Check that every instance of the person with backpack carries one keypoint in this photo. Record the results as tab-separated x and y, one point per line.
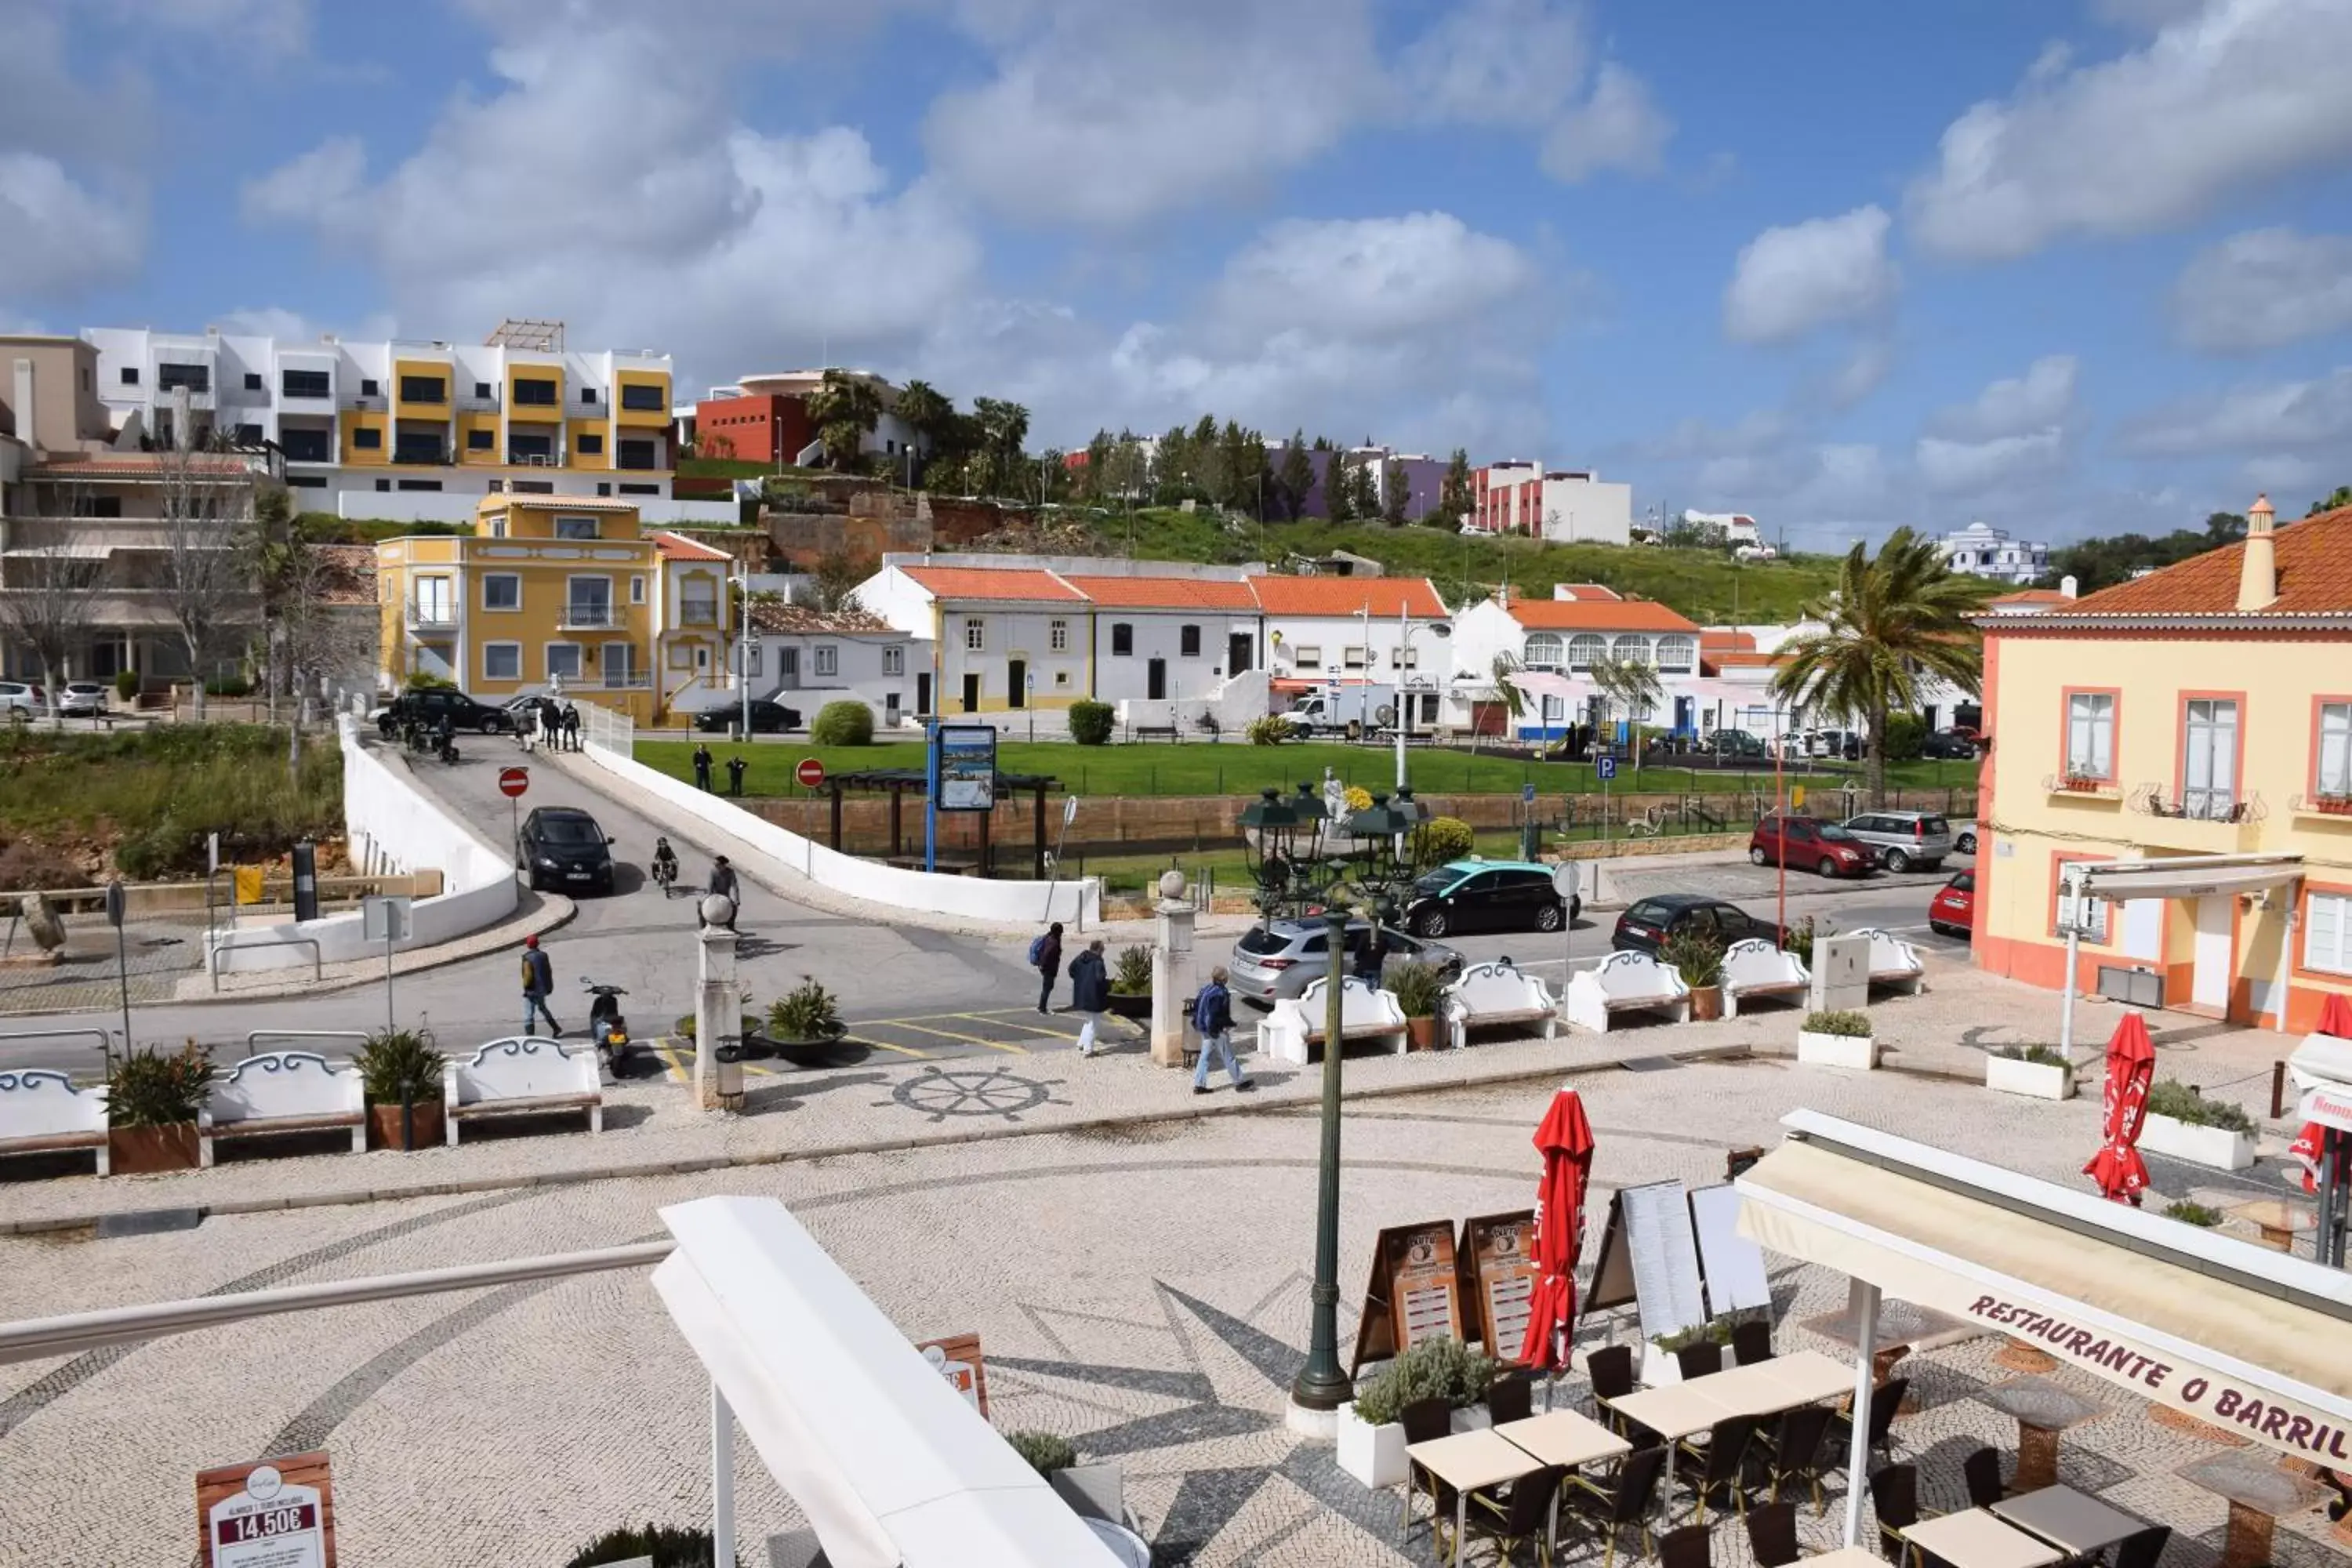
1213	1015
1090	993
1045	958
537	985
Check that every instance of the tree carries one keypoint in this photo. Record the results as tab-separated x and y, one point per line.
833	586
1339	490
924	410
211	563
1454	497
1396	493
1296	477
1502	694
1888	622
47	592
320	625
1363	492
1631	684
844	410
2342	497
1001	430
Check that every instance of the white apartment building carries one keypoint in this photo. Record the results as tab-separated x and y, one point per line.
1324	631
1981	550
1556	643
1567	506
1730	527
804	659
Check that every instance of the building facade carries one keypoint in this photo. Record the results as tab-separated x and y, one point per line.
765	419
1003	639
1981	550
1559	641
804	659
1324	631
2204	710
1568	506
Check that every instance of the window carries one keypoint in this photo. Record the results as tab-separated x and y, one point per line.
129	375
1122	637
1188	642
368	388
629	490
788	665
2327	933
304	446
1356	656
1061	678
1631	649
528	448
424	389
482	391
1404	659
890	708
640	398
2209	781
248	434
588	397
534	487
1543	651
1586	650
307	481
1678	654
195	377
367	438
482	441
759	658
1306	656
563	659
252	381
2094	912
604	488
635	454
306	383
420	484
96	506
384	484
1058	635
2335	773
828	658
575	528
636	587
501	590
433	601
535	393
418	446
619	663
975	635
2091	735
591	446
894	662
503	661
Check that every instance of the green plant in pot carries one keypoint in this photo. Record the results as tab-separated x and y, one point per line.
2182	1102
665	1545
1417	988
1851	1024
151	1103
401	1071
806	1014
1045	1451
1130	983
1432	1369
1698	956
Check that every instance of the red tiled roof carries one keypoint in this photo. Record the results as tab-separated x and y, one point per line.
1603	615
999	582
1165	592
531	501
1713	641
2315	578
677	547
140	466
349	575
1590	590
2030	596
1346	596
1749	660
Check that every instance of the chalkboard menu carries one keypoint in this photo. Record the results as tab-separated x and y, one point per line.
1499	1277
1415	1293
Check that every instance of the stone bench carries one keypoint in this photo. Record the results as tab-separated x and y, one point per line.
1893	961
283	1091
1294	1028
525	1075
41	1112
1624	983
1495	993
1755	969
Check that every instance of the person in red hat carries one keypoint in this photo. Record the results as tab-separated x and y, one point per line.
537	985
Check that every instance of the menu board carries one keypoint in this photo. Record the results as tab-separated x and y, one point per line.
1665	1256
1498	1272
1734	1265
270	1513
1612	1269
966	761
1415	1292
957	1359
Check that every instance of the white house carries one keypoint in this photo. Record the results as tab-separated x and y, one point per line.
1730	527
1568	506
1556	642
804	659
1981	550
1382	630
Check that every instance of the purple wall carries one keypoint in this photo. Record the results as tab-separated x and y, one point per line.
1424	479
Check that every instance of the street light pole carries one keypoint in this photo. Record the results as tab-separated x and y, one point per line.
1321	1385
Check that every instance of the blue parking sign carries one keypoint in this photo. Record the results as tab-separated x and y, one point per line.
1606	768
1528	793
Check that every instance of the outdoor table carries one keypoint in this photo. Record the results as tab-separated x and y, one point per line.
1806	1377
1975	1539
1469	1462
2278	1220
1845	1557
2066	1518
2042	1410
1902	1328
2257	1492
1674	1412
1565	1438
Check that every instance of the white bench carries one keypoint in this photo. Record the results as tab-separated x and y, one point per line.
1495	992
282	1091
1296	1026
1755	968
525	1075
41	1112
1893	961
1625	982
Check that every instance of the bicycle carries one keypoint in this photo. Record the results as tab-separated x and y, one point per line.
665	875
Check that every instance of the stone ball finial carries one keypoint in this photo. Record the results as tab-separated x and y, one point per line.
1172	883
717	908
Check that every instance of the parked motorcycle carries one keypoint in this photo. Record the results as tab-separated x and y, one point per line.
606	1028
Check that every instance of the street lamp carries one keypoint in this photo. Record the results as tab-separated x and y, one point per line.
1404	715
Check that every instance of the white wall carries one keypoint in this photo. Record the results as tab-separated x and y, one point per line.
1234	701
1158	634
859	673
1588	511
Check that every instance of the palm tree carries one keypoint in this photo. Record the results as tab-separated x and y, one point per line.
844	410
1888	622
1631	683
927	412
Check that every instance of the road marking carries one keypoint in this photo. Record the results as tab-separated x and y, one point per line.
669	1052
1016	1022
968	1039
886	1045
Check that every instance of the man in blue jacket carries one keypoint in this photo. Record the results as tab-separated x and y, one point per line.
1090	993
537	985
1213	1015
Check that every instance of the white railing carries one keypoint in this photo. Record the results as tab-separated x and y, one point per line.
607	730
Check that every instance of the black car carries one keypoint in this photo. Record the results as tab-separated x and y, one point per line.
767	718
1735	743
1484	895
1645	927
429	706
561	846
1948	745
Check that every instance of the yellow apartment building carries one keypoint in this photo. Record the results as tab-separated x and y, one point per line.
2201	715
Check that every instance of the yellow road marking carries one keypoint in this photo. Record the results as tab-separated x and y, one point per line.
968	1039
886	1045
1016	1023
669	1053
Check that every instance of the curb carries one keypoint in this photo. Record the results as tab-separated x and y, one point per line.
563	916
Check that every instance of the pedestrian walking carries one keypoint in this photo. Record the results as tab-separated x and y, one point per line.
735	766
1089	993
537	985
723	883
571	728
1213	1016
702	765
1046	957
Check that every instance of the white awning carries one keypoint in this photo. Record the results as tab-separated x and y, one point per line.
2184	876
2321	1060
2236	1334
892	1466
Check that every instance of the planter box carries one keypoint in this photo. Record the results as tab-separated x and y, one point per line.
144	1151
1706	1003
1856	1051
2039	1080
1135	1009
1372	1455
2215	1147
1420	1033
384	1125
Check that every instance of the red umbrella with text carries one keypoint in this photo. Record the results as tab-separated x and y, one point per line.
2131	1062
1565	1141
2335	1019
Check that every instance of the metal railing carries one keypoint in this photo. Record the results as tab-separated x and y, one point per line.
217	947
2197	805
423	617
588	617
105	1038
257	1035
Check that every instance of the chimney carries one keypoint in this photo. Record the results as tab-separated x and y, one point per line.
2068	586
2258	573
27	431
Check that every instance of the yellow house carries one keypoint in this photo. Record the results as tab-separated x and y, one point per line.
2183	741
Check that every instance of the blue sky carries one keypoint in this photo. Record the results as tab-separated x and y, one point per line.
2067	265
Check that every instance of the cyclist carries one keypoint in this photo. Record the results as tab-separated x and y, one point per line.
665	864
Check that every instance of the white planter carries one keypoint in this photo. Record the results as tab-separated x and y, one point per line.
1373	1455
2216	1147
1659	1367
1856	1051
2041	1081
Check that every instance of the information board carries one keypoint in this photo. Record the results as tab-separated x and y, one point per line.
269	1513
1734	1265
967	767
1498	1274
1664	1257
957	1359
1415	1293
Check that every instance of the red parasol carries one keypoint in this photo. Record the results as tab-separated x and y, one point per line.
1565	1139
2131	1062
2335	1019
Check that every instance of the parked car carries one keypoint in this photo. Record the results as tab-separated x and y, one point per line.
767	718
1834	743
1735	743
1644	927
1823	847
20	701
1953	910
1904	839
1484	894
561	846
430	704
83	699
1948	745
1965	840
1278	959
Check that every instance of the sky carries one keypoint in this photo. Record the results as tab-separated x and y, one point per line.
2068	266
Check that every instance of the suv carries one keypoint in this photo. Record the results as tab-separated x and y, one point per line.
1904	839
1484	894
1735	743
1277	958
1645	927
431	702
1823	847
20	701
562	846
1948	745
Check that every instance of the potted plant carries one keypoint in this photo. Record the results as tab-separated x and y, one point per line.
400	1072
1838	1041
807	1015
1130	983
683	1027
2082	783
1372	1430
1698	956
2332	804
1660	1365
152	1101
1417	988
2186	1125
2036	1070
1045	1452
659	1545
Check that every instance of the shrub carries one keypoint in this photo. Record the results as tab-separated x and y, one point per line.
1801	936
1131	973
1715	1331
399	1066
843	723
1697	954
234	686
684	1028
1904	734
2195	1214
422	680
126	684
145	1087
1045	1452
2041	1055
2180	1101
1090	722
1416	987
1270	731
668	1548
807	1012
1855	1025
1442	838
1435	1369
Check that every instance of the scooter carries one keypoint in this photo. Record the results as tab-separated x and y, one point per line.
446	747
606	1028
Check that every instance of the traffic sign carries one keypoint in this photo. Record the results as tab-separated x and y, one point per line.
1564	880
811	772
512	782
1528	794
1606	767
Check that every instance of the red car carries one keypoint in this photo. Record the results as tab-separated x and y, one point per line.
1823	847
1953	911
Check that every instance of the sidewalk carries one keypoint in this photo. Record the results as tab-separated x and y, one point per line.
535	915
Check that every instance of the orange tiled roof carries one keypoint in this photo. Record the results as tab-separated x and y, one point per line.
1346	596
1743	660
677	547
350	572
138	466
1165	592
1601	615
1590	591
1713	641
531	501
1000	583
2030	596
2315	578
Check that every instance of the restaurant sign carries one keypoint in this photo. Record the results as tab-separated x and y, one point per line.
2330	1105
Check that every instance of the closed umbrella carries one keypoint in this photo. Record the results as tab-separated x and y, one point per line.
1565	1139
2335	1019
2131	1062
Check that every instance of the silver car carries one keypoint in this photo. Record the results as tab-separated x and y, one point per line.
1904	840
1272	962
83	700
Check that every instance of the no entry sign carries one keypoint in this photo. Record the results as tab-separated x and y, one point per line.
512	782
811	772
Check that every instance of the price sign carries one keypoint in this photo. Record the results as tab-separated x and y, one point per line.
957	1360
274	1513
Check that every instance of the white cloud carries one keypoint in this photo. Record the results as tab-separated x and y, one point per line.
1497	62
2042	397
1964	467
1377	277
56	235
2264	288
1860	373
73	207
271	29
2286	416
1617	127
1792	279
2216	104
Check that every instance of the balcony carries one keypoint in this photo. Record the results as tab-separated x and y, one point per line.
625	680
423	457
2323	807
431	617
2201	822
587	618
699	613
2081	786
